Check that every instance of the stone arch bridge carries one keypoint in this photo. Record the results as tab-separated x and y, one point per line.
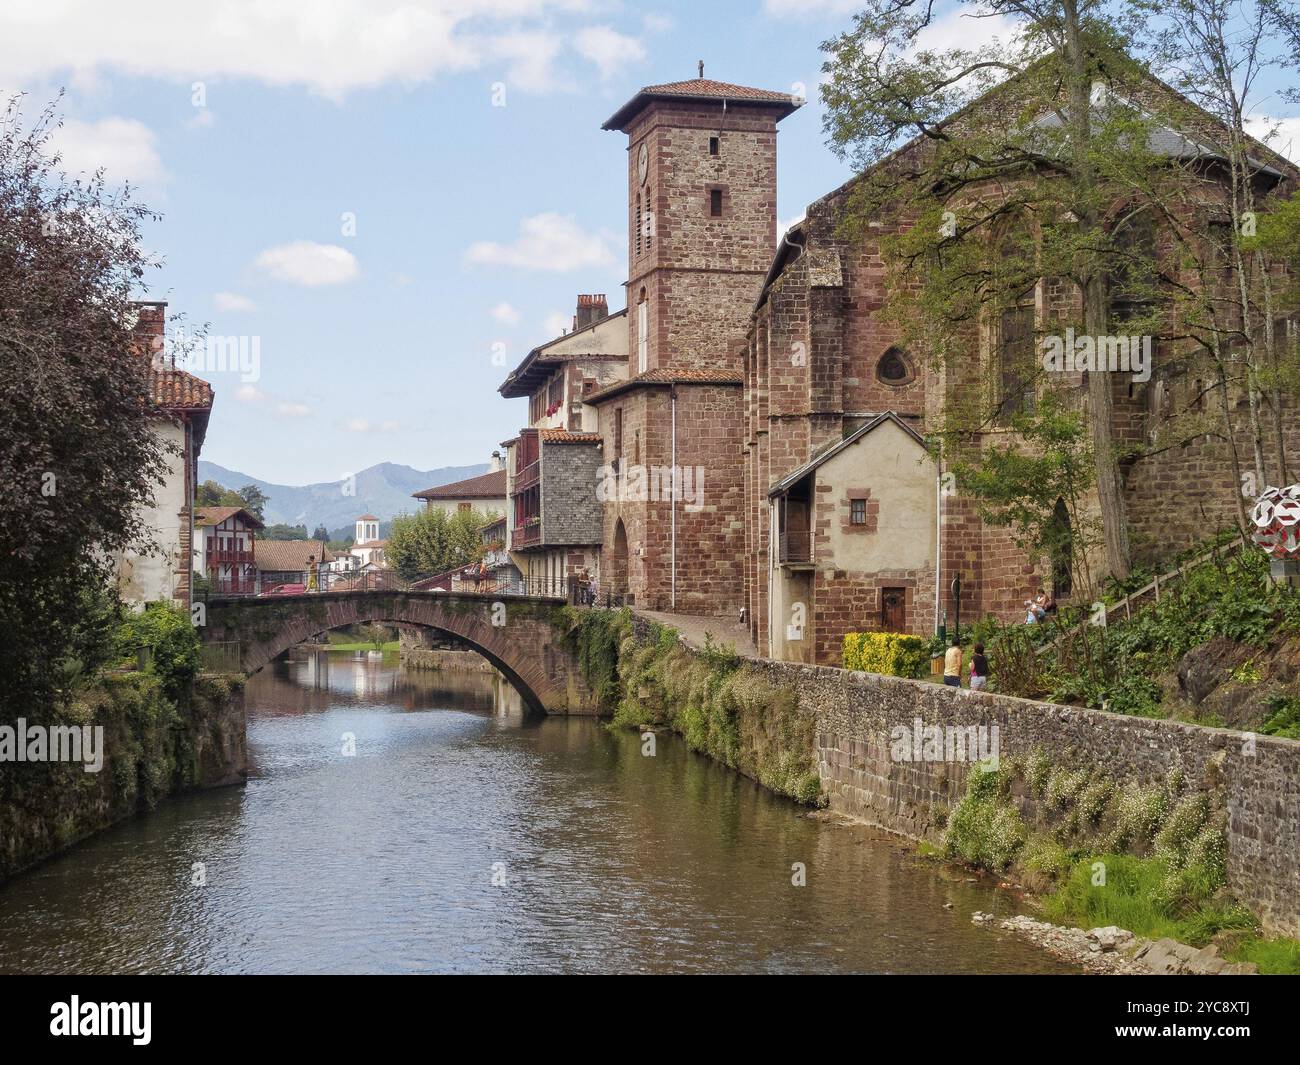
522	636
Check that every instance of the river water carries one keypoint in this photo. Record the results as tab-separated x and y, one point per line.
462	836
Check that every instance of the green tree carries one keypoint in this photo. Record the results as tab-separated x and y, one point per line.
321	533
79	457
431	542
211	494
254	500
1007	178
1023	484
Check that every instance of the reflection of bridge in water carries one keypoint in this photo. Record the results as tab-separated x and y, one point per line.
316	680
524	637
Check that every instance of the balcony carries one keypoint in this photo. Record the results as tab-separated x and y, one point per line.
795	547
228	556
527	535
527	476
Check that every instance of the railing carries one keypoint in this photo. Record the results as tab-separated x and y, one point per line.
1153	589
526	535
218	556
795	545
220	656
528	476
233	585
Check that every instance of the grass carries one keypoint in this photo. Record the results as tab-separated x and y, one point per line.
388	648
1150	899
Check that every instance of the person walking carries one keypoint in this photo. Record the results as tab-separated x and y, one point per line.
979	669
952	665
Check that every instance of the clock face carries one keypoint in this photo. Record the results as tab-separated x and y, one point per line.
643	163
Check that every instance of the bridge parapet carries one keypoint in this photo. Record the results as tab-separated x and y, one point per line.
522	636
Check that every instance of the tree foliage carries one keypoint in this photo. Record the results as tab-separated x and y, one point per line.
78	457
432	542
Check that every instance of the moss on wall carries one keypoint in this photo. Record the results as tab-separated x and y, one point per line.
647	678
152	746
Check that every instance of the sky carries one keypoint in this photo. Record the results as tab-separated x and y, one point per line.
389	202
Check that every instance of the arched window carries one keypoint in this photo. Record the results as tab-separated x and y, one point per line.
1132	276
1060	547
894	367
1015	288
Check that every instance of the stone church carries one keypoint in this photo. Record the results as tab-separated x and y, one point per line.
764	450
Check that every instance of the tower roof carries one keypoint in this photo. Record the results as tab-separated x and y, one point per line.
702	89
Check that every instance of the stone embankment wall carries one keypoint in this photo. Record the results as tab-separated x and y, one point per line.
430	649
152	748
856	715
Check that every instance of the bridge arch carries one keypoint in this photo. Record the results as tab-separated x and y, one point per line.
521	636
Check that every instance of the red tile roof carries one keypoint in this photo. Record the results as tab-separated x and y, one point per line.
667	376
484	486
563	436
701	89
177	390
367	517
288	556
216	515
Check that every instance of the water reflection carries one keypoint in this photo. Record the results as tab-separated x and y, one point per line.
464	837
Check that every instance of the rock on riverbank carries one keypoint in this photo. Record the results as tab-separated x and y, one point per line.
1112	951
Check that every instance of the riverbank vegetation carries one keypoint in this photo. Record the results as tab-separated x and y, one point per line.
1217	649
1151	860
718	704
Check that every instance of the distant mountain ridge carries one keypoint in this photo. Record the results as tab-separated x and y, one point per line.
383	490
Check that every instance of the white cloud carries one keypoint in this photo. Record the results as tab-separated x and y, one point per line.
330	48
808	8
657	23
249	394
783	227
610	50
401	280
365	425
203	118
304	262
548	241
503	312
958	30
125	148
233	301
293	410
556	323
1285	141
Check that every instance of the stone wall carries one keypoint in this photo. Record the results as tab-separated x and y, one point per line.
571	510
855	713
152	748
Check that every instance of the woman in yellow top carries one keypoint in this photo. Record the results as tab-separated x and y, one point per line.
311	573
952	665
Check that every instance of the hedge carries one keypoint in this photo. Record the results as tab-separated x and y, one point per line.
892	653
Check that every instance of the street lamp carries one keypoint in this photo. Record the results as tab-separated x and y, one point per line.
956	602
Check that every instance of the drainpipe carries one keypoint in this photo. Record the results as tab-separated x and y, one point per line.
938	539
191	465
771	578
672	503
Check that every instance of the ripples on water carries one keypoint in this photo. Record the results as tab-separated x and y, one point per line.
385	861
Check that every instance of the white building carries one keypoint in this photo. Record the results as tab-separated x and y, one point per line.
160	571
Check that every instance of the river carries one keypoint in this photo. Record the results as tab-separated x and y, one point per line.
462	836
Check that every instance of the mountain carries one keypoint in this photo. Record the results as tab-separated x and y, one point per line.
383	490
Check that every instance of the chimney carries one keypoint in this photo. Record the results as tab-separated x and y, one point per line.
591	309
149	331
495	465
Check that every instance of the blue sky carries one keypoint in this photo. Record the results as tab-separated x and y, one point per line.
475	225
